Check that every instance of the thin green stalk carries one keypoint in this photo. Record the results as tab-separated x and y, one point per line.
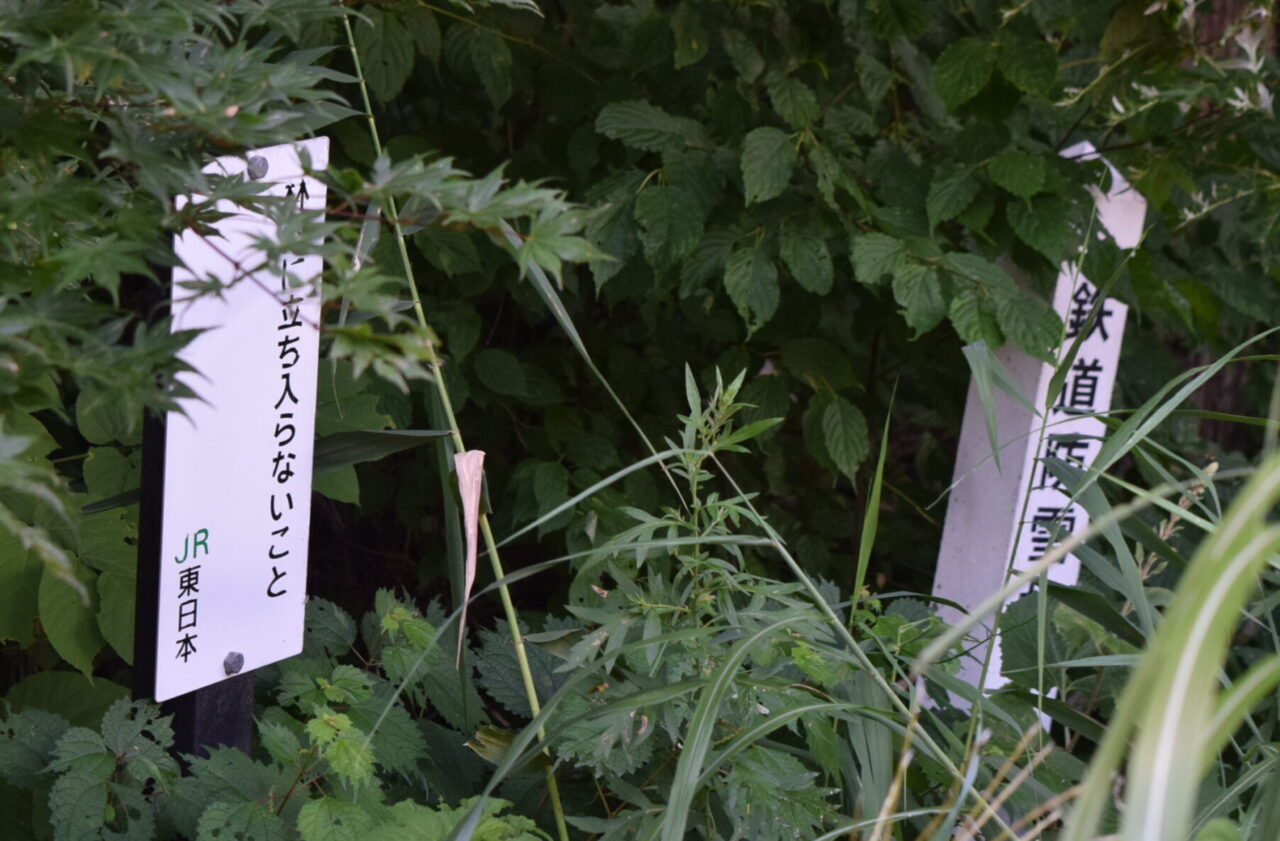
455	432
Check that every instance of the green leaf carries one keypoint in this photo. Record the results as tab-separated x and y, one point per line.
483	51
949	194
691	36
844	432
1031	323
671	224
647	127
768	156
341	484
279	741
808	259
115	612
791	98
68	621
351	757
331	819
103	418
751	279
452	252
1045	225
974	321
819	363
343	403
329	630
707	260
108	471
873	76
20	572
1021	173
1030	64
918	289
78	807
501	371
69	694
385	45
978	270
424	30
251	821
744	55
962	70
27	740
345	448
875	255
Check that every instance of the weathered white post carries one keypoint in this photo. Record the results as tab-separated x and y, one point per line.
1001	519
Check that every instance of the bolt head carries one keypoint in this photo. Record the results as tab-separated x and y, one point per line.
258	167
233	663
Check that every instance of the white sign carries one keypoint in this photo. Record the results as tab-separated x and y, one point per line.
237	474
983	537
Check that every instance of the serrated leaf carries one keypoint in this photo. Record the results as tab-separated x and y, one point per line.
1030	64
981	271
918	289
962	70
452	252
27	741
691	36
647	127
844	432
808	259
1032	324
68	621
386	52
771	796
397	741
424	30
279	741
501	371
331	819
707	260
751	279
873	77
949	194
744	55
973	321
1021	173
671	224
791	98
768	156
483	51
250	821
875	255
77	807
1045	225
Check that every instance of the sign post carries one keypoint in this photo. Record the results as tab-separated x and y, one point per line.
986	537
227	480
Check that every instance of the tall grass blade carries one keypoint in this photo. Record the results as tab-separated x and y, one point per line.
1171	695
871	517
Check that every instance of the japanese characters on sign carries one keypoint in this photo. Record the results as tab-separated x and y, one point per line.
238	457
1072	432
1003	517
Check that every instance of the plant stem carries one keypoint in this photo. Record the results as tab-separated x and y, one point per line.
455	433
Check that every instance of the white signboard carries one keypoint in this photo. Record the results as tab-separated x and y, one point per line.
983	536
237	474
